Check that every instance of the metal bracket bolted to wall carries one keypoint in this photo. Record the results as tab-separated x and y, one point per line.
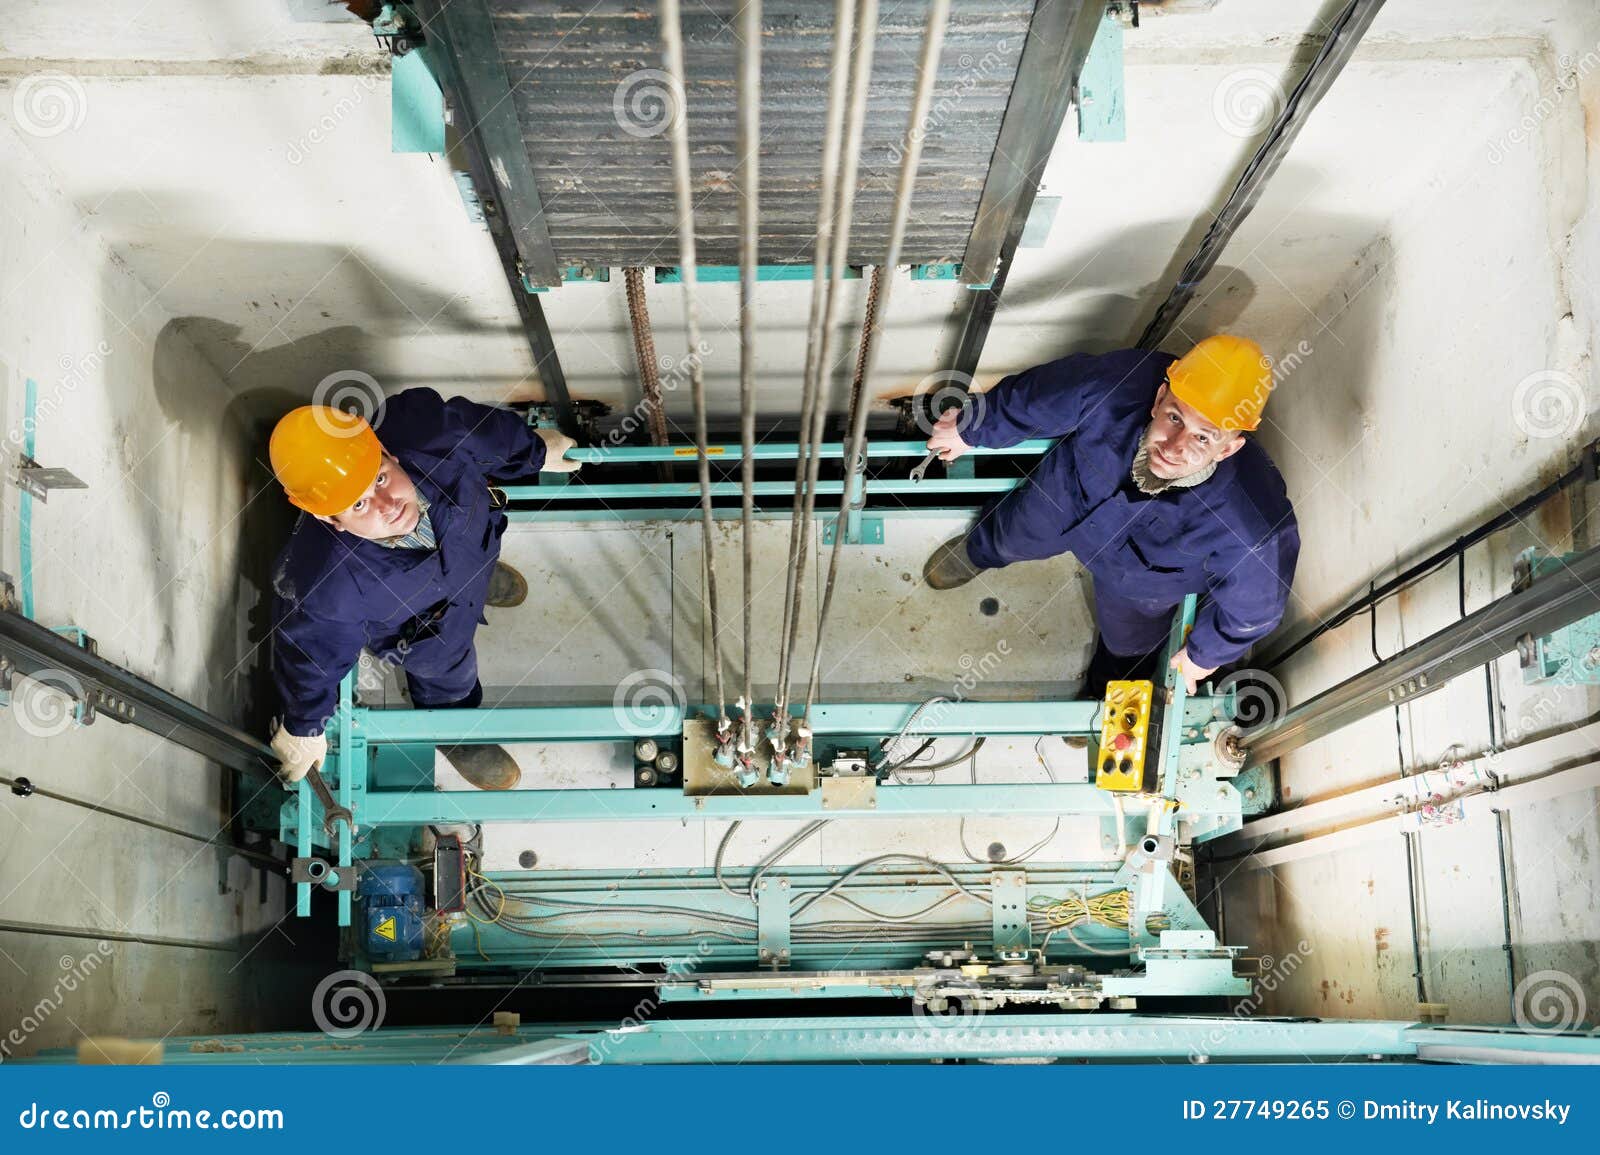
35	479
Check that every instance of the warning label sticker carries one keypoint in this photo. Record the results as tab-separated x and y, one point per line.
385	929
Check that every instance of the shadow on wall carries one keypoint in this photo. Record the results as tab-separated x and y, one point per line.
189	403
1317	430
266	375
262	385
366	314
1074	305
1311	238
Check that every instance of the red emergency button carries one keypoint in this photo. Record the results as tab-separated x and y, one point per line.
1122	741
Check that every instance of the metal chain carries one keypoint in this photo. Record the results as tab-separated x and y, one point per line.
869	333
644	352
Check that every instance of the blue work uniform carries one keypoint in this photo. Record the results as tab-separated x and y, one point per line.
335	592
1232	537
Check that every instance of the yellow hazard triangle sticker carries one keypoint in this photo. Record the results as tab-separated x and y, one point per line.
385	929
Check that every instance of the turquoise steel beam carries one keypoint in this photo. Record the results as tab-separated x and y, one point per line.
305	805
714	274
1101	110
1043	799
788	451
592	723
659	489
1175	699
837	1039
570	275
822	989
1468	1044
539	1053
1114	1037
30	425
887	1038
566	515
416	105
352	785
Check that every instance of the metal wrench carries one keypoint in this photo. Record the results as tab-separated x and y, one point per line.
332	812
921	470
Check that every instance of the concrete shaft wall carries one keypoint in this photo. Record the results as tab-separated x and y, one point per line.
154	560
1445	376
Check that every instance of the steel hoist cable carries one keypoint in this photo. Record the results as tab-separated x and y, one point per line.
860	82
748	33
672	60
833	137
855	451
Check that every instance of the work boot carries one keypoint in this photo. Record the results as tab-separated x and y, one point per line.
949	567
507	587
488	767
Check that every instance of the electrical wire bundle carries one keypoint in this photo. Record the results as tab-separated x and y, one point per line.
516	912
1113	908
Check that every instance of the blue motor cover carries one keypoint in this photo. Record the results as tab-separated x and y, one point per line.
392	912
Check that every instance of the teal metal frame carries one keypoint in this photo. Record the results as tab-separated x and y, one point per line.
1568	656
416	105
381	764
30	422
729	274
1113	1037
861	525
788	451
1102	114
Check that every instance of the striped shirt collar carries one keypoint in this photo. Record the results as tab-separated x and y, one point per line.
421	537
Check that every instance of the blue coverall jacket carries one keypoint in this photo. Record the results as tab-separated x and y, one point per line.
1232	537
335	593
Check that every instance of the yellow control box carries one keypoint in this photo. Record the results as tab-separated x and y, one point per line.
1124	736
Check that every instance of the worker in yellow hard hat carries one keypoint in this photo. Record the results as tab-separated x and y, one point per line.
1154	486
397	551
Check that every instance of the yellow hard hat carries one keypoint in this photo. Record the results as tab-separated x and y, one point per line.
324	458
1226	379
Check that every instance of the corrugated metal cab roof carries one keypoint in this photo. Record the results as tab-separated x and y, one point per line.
583	80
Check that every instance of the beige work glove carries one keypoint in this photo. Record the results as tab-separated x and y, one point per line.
556	444
297	755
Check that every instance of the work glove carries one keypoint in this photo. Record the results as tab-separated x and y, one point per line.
297	754
556	444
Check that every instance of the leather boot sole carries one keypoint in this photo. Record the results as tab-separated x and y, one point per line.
488	767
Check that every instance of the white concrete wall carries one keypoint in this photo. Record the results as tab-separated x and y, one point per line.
149	559
1448	374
